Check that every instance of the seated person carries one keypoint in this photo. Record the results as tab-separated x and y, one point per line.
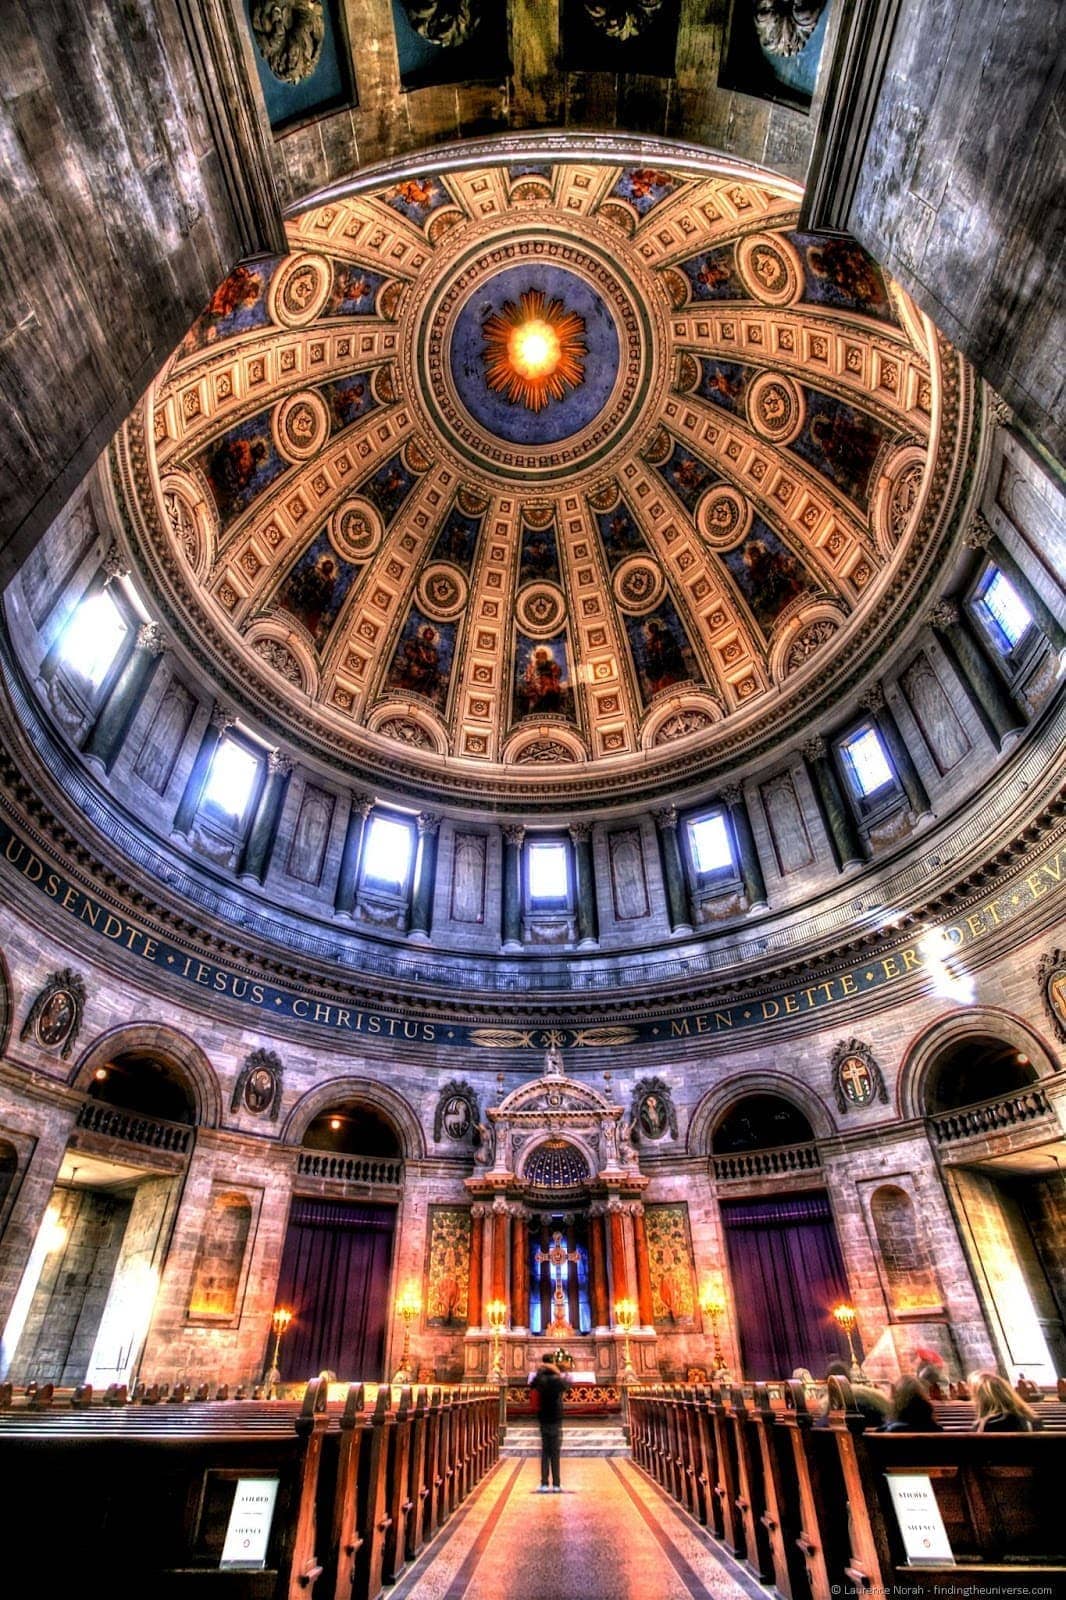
870	1402
912	1409
997	1409
1027	1390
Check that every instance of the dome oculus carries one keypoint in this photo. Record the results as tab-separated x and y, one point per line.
534	351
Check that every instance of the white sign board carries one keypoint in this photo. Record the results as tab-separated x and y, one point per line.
249	1523
921	1526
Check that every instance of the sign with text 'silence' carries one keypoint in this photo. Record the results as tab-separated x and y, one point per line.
938	955
921	1526
248	1530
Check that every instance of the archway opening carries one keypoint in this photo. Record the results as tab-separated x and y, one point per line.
760	1122
352	1127
134	1080
976	1069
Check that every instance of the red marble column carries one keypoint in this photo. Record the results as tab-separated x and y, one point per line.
500	1220
619	1270
640	1250
519	1271
477	1255
601	1317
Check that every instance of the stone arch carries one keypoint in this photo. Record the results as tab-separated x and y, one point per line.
6	1008
376	1095
710	1110
922	1053
173	1046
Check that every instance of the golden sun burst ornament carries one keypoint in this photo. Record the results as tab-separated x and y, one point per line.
534	351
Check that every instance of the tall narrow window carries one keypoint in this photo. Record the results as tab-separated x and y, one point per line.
388	853
867	765
232	779
93	637
1002	609
549	880
712	848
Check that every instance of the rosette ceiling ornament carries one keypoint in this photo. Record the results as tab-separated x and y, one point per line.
547	478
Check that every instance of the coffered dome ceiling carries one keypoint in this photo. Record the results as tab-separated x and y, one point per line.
545	478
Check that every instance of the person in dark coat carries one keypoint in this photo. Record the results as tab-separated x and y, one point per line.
912	1409
549	1389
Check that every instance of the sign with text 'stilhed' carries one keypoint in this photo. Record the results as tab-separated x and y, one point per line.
921	1526
248	1530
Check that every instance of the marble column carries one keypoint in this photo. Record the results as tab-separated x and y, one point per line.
513	837
588	927
598	1295
219	723
122	704
428	824
750	865
900	757
348	878
673	871
500	1239
980	536
1000	715
519	1268
255	857
478	1213
643	1264
619	1267
836	813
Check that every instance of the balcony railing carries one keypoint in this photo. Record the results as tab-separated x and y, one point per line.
777	1163
133	1128
991	1116
350	1169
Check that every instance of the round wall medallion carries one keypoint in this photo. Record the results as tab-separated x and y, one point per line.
723	517
770	268
442	591
638	585
775	407
301	426
540	609
300	290
355	530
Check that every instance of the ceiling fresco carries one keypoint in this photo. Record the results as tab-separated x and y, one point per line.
532	472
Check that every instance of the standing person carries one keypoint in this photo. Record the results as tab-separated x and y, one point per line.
550	1386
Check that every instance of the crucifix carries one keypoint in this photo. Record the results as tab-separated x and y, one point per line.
558	1257
855	1076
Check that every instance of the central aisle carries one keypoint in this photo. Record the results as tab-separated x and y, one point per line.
611	1535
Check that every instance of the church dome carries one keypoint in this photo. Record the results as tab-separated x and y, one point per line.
548	481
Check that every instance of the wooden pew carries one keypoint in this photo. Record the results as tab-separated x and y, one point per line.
999	1494
750	1493
781	1513
114	1494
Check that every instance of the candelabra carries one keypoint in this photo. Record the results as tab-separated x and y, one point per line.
408	1306
625	1315
280	1320
496	1311
714	1308
845	1316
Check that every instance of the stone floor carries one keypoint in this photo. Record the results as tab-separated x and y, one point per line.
611	1535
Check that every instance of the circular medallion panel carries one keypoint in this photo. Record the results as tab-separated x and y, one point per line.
300	290
638	585
775	407
723	517
355	530
442	591
301	426
770	268
540	609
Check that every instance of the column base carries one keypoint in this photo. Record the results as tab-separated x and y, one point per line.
418	936
510	945
588	944
758	905
682	927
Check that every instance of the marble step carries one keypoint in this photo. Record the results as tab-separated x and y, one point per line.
523	1439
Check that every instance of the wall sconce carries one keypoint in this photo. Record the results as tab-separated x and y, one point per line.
625	1315
496	1311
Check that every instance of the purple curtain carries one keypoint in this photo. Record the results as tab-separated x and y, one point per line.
787	1277
335	1278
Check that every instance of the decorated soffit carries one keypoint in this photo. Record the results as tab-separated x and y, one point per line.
545	478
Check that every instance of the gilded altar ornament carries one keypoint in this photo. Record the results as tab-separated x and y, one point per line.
534	351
